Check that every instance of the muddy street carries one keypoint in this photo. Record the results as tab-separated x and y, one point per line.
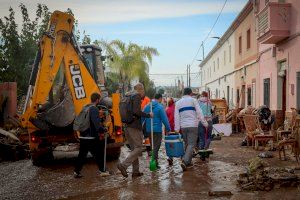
22	180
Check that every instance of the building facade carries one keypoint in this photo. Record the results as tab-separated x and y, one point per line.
217	69
246	55
278	31
230	67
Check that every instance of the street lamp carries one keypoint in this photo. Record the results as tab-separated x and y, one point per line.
215	37
202	44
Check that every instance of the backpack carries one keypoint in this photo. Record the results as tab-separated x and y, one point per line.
82	121
126	109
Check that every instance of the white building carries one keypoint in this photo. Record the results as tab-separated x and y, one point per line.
217	69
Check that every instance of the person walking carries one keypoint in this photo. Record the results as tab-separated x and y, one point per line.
170	113
90	140
145	101
160	118
134	134
170	110
187	116
205	131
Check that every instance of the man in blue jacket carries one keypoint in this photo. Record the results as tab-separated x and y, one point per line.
160	117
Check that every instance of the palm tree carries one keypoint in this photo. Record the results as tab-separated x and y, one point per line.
128	61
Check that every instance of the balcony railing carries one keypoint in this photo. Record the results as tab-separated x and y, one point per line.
274	23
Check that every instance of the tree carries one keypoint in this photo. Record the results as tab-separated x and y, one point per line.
18	48
150	90
128	61
86	38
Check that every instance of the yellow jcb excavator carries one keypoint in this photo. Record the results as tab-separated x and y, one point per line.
62	80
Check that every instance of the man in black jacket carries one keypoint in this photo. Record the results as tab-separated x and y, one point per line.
134	134
89	140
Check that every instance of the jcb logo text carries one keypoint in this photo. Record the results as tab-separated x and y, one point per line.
77	81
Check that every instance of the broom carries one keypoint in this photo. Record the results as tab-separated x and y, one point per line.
153	165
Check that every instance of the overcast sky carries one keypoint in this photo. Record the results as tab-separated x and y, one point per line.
175	27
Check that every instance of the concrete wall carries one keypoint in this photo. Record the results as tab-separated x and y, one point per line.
8	91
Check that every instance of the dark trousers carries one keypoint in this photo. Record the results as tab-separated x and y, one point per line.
157	137
204	138
96	147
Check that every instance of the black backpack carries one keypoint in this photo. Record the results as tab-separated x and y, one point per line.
126	108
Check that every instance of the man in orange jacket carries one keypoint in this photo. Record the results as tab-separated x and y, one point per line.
145	101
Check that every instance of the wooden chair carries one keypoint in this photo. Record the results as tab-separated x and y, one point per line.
254	131
293	140
284	132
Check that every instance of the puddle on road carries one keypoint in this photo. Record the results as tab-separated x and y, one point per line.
21	180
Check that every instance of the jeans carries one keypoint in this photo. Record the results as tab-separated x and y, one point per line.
135	139
190	137
96	147
204	140
157	137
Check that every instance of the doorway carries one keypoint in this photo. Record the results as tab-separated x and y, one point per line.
243	95
298	91
281	87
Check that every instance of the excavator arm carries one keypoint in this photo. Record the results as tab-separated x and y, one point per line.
58	50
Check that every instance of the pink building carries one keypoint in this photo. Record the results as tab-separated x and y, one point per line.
278	31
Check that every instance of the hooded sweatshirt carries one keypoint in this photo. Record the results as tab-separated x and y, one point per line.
160	117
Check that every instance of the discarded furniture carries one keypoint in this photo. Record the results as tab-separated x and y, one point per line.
231	116
289	124
220	109
254	132
292	140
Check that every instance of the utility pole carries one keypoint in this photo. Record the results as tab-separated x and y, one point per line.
202	44
189	75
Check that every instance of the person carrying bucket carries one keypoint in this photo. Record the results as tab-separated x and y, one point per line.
160	118
203	131
187	116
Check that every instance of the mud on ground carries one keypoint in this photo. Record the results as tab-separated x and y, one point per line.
22	180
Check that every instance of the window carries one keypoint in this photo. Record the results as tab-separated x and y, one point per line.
218	63
214	66
249	96
248	39
238	96
229	53
240	44
224	57
267	92
228	95
216	93
253	94
231	96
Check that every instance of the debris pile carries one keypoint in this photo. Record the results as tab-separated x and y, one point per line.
260	177
11	148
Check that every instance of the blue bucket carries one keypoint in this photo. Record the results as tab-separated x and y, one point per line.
174	145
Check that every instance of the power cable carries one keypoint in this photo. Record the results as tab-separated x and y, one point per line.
208	33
